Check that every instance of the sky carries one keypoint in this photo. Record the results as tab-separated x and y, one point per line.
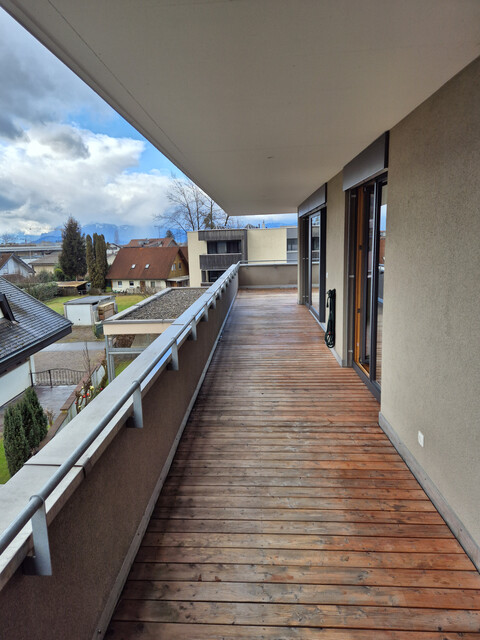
64	151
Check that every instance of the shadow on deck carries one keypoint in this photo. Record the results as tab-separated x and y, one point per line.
287	513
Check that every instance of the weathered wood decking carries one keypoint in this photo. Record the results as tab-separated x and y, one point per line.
287	513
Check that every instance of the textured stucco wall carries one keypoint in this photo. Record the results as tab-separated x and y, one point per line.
267	244
431	352
195	248
14	382
335	266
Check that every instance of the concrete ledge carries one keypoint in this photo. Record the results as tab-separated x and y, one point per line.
445	510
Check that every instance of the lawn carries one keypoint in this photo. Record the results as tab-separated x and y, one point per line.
123	302
4	475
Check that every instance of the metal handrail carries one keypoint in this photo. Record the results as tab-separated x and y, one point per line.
185	324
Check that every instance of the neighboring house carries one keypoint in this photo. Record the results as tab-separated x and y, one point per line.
26	327
152	242
213	251
88	310
46	263
148	269
12	265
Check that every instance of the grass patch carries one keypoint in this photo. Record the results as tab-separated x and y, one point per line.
4	475
57	303
124	302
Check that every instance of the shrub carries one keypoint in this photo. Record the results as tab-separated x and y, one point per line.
17	449
40	418
29	423
42	290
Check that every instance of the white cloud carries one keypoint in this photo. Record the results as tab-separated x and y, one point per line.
59	170
35	86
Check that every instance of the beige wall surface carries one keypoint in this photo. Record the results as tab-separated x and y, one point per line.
431	353
267	244
196	247
336	257
14	382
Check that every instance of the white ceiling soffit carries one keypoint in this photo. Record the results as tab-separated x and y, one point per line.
259	101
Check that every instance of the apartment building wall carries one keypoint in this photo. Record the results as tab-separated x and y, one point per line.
431	321
335	259
431	370
267	244
196	248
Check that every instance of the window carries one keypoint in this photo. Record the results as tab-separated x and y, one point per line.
292	244
152	284
119	283
131	283
173	266
224	246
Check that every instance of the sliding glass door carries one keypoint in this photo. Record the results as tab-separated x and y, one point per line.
370	238
316	263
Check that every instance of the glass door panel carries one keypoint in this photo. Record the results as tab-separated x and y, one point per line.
315	262
382	234
370	235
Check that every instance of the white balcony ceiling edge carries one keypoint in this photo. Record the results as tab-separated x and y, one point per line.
259	102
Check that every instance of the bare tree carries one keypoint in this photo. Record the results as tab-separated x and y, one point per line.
8	238
191	209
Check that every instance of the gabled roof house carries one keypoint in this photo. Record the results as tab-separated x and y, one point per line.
13	265
26	327
148	269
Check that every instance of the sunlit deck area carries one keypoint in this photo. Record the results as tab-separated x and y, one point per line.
287	513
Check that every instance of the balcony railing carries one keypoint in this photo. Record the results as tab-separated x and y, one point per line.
52	519
217	261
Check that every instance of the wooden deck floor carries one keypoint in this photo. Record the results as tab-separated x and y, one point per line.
287	513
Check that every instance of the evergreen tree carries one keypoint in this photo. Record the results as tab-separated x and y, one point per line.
17	450
90	256
29	423
41	420
101	264
73	260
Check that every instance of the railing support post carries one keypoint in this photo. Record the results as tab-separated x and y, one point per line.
40	564
193	331
135	421
173	364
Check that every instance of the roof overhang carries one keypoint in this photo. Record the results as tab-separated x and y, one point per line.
259	102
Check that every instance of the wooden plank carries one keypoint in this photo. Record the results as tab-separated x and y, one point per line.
357	559
265	502
298	574
126	630
218	591
302	541
312	515
339	616
292	527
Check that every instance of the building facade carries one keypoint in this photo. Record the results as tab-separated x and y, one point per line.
211	252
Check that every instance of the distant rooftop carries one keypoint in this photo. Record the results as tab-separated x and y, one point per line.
90	300
168	306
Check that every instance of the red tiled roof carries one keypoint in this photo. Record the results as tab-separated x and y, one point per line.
159	259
